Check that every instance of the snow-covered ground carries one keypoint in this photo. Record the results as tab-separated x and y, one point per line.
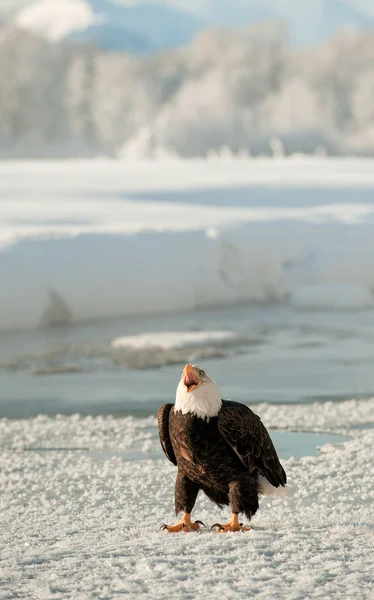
103	239
79	521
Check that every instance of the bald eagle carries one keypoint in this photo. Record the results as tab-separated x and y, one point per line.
220	447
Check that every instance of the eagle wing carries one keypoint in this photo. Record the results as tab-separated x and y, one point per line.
163	430
244	431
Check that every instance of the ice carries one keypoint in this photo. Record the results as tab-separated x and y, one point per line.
167	340
156	349
75	527
107	239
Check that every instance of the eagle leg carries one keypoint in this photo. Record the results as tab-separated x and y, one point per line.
184	525
232	525
242	487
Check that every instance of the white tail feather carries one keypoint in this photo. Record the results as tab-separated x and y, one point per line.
266	489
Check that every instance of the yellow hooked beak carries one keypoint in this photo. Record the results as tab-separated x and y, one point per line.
191	379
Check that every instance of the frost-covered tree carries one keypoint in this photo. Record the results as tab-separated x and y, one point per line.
239	89
79	88
21	55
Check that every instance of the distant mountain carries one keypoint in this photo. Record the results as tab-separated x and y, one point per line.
140	28
147	25
310	21
113	38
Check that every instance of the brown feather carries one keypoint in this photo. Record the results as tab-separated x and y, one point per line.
163	430
245	433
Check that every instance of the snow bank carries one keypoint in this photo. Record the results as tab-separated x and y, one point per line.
56	281
100	276
81	247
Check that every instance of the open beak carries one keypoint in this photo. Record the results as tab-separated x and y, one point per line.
190	379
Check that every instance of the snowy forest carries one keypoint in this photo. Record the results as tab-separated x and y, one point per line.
244	91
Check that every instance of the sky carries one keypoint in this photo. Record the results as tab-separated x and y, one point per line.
203	7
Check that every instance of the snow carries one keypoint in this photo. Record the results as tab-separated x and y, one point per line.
85	523
55	19
167	340
172	236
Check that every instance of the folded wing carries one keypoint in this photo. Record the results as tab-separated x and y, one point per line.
244	431
163	430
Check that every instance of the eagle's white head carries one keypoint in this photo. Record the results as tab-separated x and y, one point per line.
197	393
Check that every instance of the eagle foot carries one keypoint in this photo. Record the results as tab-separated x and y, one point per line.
185	525
232	525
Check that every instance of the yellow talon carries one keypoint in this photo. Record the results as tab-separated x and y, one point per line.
185	525
232	525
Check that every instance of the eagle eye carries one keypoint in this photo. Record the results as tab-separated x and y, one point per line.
201	373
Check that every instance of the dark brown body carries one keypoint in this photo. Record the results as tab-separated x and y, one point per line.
222	456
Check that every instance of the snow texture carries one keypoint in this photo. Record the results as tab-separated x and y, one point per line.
171	236
79	520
